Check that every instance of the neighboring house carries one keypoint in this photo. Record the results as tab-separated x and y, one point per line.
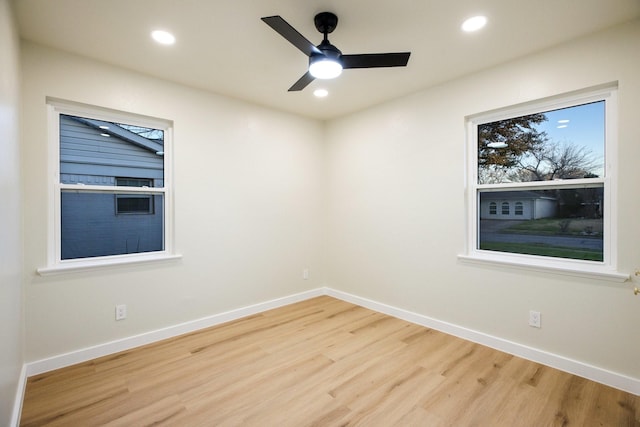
94	152
522	205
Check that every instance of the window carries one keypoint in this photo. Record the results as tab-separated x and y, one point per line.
110	194
134	204
505	208
519	210
127	204
134	182
493	208
553	162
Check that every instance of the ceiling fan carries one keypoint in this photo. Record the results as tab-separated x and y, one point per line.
325	60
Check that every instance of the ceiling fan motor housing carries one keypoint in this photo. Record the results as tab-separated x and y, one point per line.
325	22
328	50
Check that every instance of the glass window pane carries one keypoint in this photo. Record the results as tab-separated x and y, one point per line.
134	204
96	152
564	223
566	143
91	227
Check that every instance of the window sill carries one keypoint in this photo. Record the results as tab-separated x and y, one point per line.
74	266
583	271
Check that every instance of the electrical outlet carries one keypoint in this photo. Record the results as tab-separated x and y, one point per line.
305	274
121	312
534	318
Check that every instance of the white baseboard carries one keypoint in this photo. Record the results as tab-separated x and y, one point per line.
613	379
594	373
89	353
17	403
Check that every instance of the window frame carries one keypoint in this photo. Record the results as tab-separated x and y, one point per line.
55	263
607	269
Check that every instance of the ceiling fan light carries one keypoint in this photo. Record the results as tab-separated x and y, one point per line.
325	68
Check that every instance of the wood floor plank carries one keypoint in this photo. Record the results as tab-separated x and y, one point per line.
320	362
163	411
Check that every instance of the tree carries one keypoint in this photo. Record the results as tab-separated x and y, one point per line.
501	144
518	135
514	150
551	160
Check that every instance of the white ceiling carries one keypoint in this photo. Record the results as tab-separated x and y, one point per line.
223	46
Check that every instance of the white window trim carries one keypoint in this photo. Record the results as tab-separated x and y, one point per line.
55	265
607	269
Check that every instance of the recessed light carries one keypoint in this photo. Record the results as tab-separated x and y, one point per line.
104	127
106	135
163	37
474	23
321	93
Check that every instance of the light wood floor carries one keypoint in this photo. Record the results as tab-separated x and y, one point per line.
321	362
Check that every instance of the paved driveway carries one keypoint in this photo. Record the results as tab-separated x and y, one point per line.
492	231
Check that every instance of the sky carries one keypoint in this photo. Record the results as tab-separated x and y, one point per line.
582	125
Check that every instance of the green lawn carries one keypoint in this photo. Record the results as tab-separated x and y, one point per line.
542	249
558	226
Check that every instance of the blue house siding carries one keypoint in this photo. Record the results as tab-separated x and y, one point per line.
91	225
91	228
85	152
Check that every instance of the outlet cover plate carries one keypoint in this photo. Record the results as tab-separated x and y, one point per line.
121	312
534	318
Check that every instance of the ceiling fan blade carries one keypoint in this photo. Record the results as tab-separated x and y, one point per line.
283	28
375	60
302	82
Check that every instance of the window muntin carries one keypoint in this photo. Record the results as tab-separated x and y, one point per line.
110	200
501	173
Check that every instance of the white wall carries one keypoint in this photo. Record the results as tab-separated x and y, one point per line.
249	201
396	213
11	320
261	195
